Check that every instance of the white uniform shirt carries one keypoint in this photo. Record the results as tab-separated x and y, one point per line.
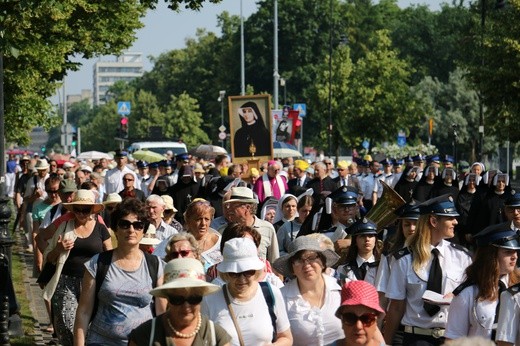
453	263
369	186
252	316
509	316
469	316
114	180
383	273
313	325
345	272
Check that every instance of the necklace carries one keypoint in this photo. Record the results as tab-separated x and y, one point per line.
182	335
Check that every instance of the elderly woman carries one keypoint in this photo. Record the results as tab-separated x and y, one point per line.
198	217
358	313
312	297
74	242
116	283
252	313
182	323
181	245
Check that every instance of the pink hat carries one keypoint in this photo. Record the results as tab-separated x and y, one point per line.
359	293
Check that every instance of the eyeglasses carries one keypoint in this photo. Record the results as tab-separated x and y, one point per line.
82	210
179	300
346	206
125	224
52	191
247	274
351	319
328	163
181	253
128	179
310	259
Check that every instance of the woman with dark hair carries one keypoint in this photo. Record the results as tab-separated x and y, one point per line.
252	133
363	255
474	309
122	300
282	132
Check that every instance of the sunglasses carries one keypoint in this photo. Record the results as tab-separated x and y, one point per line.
128	179
310	259
125	224
351	319
179	300
182	253
82	210
247	274
52	191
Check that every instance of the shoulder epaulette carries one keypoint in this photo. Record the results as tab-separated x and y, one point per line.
515	289
461	287
373	264
330	230
461	248
401	253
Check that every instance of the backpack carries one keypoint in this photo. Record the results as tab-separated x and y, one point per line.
103	263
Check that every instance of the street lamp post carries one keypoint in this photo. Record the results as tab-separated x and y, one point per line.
329	132
222	93
283	83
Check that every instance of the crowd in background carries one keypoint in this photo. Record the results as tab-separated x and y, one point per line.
193	251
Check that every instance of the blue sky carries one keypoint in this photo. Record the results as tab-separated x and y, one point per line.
165	30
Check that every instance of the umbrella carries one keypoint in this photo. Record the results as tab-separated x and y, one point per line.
94	155
282	150
148	156
208	151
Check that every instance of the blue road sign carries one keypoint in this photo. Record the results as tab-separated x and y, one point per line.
401	141
123	107
302	108
365	144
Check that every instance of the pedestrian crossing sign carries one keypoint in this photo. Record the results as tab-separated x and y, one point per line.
123	107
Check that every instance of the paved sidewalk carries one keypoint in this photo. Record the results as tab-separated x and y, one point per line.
34	295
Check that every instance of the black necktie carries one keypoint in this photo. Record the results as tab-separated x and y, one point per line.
363	270
434	282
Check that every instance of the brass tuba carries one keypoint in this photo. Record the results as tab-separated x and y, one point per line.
383	213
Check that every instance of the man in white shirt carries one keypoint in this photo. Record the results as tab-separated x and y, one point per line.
114	177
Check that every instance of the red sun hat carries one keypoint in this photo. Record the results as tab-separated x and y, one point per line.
359	293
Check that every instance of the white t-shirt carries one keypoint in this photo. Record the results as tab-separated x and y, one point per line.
252	316
509	316
313	325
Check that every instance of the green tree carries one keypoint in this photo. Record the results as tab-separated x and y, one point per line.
40	38
378	103
184	120
100	132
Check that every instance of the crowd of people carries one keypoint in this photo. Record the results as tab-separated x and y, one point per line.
188	251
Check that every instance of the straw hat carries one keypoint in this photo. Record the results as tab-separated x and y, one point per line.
240	255
242	194
41	164
182	274
149	237
168	203
85	198
283	264
113	198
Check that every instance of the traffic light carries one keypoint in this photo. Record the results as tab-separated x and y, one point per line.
74	139
123	127
43	148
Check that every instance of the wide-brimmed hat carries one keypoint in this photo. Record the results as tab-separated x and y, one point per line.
25	158
68	165
84	198
198	168
86	168
241	194
240	255
113	198
41	164
184	274
168	203
283	264
359	293
68	186
149	237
